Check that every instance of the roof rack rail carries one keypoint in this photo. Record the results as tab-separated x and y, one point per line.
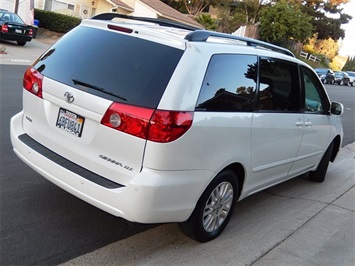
159	21
203	35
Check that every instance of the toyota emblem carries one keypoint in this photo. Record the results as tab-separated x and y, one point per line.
69	97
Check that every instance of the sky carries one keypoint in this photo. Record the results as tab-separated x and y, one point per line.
348	44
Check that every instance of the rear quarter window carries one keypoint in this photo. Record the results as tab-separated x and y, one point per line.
229	84
134	69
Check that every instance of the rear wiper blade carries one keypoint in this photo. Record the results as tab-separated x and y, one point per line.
81	83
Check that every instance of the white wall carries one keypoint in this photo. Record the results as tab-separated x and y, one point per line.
141	10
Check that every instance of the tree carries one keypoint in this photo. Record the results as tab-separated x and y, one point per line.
229	21
195	7
250	9
176	4
207	21
324	25
349	65
327	47
281	22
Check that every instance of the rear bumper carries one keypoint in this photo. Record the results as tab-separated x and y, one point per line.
15	37
152	196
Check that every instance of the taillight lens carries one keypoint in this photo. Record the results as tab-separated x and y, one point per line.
30	32
32	81
154	125
167	126
129	119
4	28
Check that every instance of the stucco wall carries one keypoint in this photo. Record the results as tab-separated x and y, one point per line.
143	11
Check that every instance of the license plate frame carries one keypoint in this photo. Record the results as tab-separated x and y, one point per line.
70	122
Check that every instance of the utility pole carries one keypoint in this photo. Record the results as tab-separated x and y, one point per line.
16	6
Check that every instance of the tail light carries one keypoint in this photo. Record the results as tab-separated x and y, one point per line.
30	32
167	126
154	125
32	81
4	28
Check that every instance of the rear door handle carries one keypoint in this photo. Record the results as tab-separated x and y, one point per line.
299	124
308	124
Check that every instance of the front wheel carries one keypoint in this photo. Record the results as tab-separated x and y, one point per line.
214	208
319	174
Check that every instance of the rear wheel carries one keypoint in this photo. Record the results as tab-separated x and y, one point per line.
21	43
214	208
319	174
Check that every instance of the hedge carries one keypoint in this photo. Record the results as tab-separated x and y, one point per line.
56	22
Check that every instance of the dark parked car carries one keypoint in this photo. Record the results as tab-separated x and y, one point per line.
13	28
352	77
326	75
341	78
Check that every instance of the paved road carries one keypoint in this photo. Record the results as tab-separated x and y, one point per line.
345	95
298	223
43	225
40	223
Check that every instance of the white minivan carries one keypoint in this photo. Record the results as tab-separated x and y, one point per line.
157	122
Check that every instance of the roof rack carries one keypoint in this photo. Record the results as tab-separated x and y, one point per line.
159	21
203	35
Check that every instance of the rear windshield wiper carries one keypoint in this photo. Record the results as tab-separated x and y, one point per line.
81	83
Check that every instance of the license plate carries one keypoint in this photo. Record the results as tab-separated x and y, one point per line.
70	122
18	31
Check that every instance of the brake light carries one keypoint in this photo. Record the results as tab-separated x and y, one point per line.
154	125
4	29
118	28
30	32
128	119
167	126
32	81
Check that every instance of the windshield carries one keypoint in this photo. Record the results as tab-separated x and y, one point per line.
111	65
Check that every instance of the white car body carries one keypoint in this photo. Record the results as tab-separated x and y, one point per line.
149	182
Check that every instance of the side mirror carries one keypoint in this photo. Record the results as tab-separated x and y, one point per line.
336	108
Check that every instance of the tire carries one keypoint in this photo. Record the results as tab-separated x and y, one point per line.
319	174
214	208
21	43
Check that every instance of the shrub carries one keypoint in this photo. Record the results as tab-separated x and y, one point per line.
56	22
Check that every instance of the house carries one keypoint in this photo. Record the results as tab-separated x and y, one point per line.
140	8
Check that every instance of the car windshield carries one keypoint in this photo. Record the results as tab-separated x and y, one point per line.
351	74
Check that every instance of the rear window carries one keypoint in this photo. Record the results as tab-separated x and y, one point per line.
111	65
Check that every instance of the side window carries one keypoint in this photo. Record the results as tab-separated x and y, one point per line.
229	84
315	98
279	88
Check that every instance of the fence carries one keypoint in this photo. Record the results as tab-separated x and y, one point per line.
310	57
